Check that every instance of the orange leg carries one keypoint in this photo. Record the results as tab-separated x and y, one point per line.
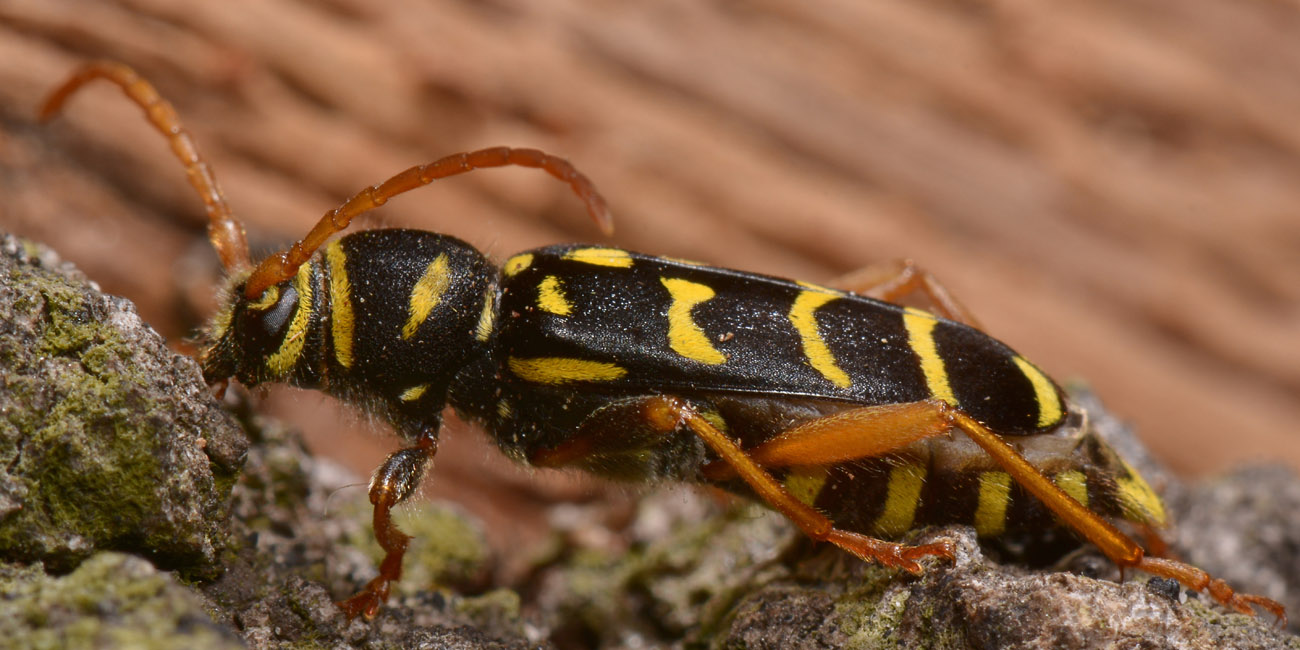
853	434
848	435
392	483
1198	580
897	279
1117	546
669	413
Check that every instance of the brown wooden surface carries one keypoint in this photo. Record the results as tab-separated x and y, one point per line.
1112	187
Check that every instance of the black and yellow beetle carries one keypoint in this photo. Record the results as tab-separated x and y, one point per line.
857	418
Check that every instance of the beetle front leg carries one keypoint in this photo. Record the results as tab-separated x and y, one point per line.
392	483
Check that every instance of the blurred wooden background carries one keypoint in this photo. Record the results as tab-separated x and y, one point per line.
1112	187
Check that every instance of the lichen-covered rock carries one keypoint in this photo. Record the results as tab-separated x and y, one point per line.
108	440
307	543
1247	526
112	600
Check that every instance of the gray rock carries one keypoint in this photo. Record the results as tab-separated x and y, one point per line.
111	600
109	440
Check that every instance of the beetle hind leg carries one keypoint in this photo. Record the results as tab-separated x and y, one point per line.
1198	580
1117	546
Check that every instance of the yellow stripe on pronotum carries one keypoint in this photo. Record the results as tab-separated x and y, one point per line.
920	335
427	294
340	303
685	336
901	500
562	370
413	393
803	317
991	511
284	358
601	257
486	319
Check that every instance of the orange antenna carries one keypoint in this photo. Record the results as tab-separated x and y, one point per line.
281	266
225	232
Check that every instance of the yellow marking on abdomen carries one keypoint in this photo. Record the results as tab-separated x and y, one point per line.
715	418
901	500
802	316
1075	484
517	263
561	370
340	303
550	297
991	512
295	337
413	393
686	337
427	294
806	482
1139	502
601	257
483	331
1049	403
920	335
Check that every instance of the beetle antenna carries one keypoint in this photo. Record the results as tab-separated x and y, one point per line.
281	266
225	232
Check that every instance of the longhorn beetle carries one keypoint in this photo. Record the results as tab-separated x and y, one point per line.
857	418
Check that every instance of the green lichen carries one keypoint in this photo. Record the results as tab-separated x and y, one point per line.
99	434
871	619
111	600
499	609
684	584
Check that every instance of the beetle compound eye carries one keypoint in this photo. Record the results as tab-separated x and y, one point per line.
273	321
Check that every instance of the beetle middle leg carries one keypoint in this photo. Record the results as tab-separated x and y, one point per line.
669	413
393	482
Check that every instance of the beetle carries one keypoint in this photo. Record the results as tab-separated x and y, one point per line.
857	418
